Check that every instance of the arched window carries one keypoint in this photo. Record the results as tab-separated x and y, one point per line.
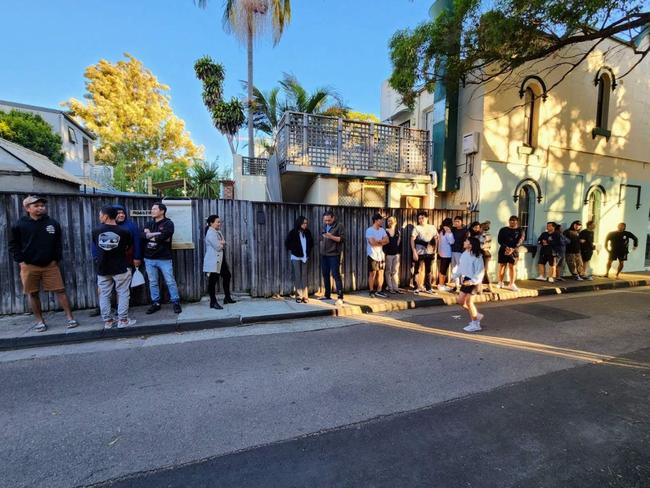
602	109
526	211
533	92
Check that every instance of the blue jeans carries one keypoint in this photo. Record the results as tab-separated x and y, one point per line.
165	266
330	266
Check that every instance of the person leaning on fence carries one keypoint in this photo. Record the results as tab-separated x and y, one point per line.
392	255
470	271
376	238
510	238
587	247
112	243
214	262
299	242
460	234
331	246
158	235
423	247
561	252
618	246
445	241
35	243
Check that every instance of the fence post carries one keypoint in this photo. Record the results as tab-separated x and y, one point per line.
305	145
371	148
339	142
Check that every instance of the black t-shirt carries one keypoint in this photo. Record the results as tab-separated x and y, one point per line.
587	247
573	247
111	242
509	237
459	238
391	249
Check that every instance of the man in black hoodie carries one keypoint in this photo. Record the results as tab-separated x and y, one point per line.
35	244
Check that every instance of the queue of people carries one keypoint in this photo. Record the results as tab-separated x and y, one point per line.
461	255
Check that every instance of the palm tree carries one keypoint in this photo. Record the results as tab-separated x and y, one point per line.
247	20
205	180
289	96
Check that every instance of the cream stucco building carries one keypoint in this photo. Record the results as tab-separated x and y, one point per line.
549	151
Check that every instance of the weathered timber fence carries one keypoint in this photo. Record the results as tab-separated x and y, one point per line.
254	232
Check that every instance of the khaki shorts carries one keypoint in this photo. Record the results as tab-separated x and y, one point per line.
32	276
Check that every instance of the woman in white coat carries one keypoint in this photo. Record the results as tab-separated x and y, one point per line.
214	262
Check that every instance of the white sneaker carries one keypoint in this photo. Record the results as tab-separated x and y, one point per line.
339	302
122	324
513	287
550	279
540	278
589	278
500	284
444	288
472	327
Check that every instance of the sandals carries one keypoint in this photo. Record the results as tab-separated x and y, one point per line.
72	323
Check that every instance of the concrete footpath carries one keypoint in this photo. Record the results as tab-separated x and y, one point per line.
16	331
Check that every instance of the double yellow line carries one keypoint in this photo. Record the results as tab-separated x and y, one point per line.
535	347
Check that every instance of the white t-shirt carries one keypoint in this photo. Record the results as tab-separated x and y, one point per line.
376	252
424	233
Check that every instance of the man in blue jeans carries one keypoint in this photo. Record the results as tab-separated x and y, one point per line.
331	245
158	257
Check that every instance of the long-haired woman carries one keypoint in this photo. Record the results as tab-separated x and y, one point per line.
299	243
470	270
214	261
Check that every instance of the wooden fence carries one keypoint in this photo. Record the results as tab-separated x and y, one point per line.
254	232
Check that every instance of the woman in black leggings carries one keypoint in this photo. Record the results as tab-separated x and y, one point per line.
214	262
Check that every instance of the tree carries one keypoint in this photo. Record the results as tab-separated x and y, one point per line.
247	20
228	117
31	131
475	41
205	180
128	108
345	113
292	96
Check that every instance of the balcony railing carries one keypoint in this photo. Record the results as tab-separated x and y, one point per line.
254	166
350	145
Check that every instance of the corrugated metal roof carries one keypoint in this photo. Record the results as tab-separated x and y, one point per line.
39	163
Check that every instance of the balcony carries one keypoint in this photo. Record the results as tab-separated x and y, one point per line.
308	143
254	166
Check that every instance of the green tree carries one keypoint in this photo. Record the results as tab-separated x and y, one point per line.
128	108
227	116
205	180
291	95
475	41
31	131
248	20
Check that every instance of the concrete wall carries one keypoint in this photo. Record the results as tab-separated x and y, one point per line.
251	188
323	191
567	160
398	189
393	111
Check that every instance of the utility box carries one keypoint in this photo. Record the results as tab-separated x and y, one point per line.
470	143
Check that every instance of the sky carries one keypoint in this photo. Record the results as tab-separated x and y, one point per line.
47	44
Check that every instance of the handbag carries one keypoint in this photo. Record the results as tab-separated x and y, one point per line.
137	279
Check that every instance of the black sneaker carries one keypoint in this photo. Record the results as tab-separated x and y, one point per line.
153	308
371	294
228	300
177	308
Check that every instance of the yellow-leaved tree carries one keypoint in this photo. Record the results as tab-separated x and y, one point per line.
128	108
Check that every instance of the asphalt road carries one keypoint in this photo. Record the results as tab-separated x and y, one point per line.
553	393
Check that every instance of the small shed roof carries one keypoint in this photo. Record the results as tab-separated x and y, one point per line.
38	163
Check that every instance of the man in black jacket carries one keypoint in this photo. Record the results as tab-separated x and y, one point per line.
158	234
35	244
617	243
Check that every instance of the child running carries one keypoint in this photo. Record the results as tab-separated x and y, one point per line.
470	271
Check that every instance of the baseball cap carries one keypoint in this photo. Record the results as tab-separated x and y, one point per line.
33	199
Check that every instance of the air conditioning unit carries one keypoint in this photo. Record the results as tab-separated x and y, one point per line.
470	142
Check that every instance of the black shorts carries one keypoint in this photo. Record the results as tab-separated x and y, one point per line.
468	289
617	256
547	258
375	265
443	265
508	259
586	256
